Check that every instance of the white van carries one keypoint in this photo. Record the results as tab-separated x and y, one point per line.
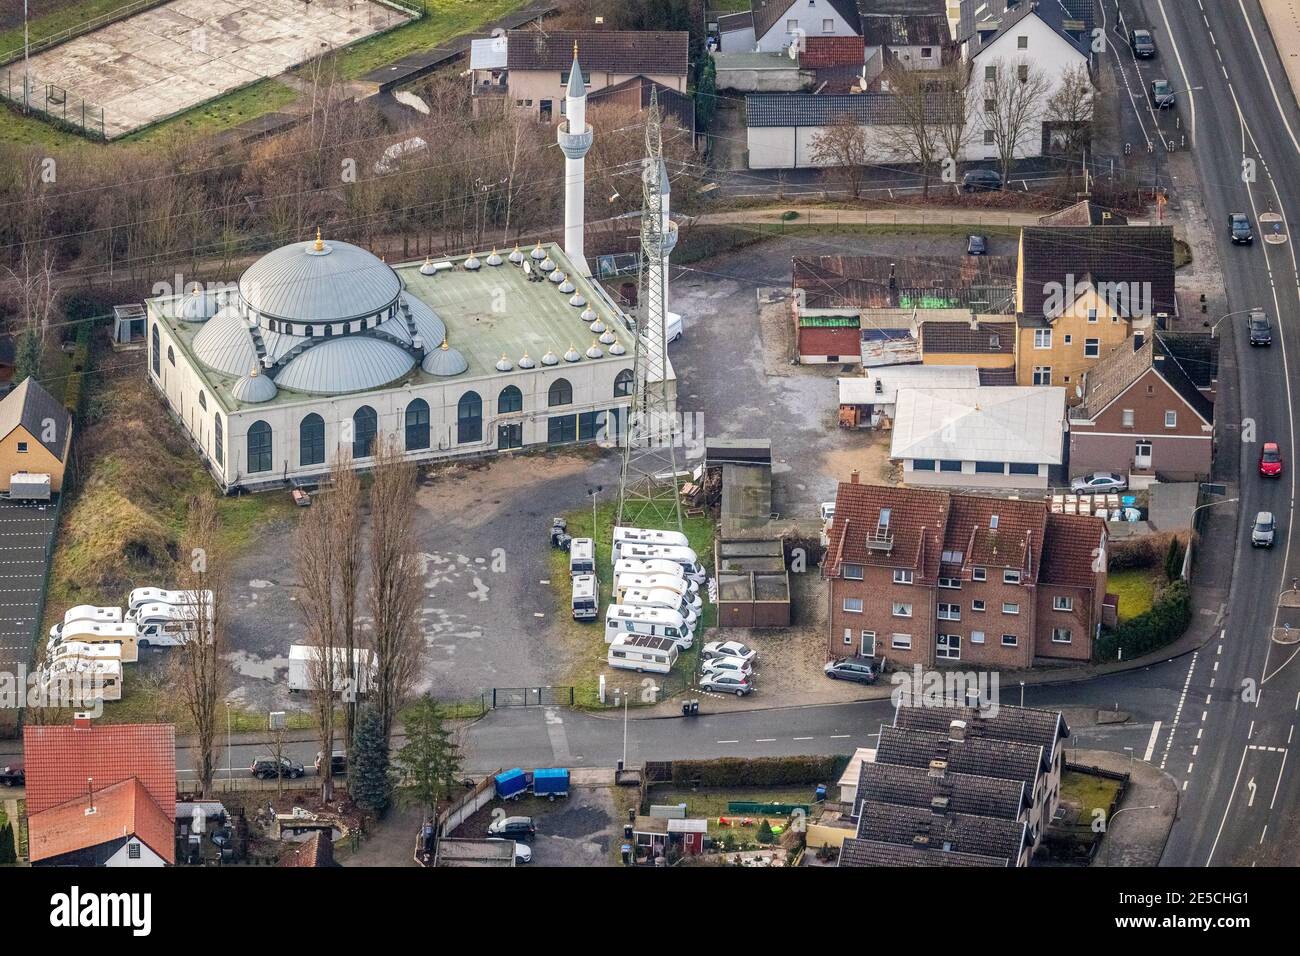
642	652
80	649
141	596
653	566
689	591
122	634
586	597
582	556
652	621
685	557
651	536
75	680
88	612
660	597
166	625
162	611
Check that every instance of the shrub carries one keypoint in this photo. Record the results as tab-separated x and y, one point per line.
1164	623
757	772
1144	551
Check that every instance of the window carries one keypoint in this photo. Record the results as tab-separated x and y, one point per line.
259	447
562	429
1042	338
977	637
853	572
1128	418
1010	608
902	576
1091	348
218	451
923	464
365	424
791	26
311	440
1171	419
950	466
953	583
990	468
1068	338
900	642
512	400
560	393
1092	315
564	78
133	851
853	605
1061	635
1022	43
977	604
203	401
1022	468
950	612
990	73
1010	577
153	351
1022	72
902	610
828	26
469	419
948	647
417	425
623	382
1042	375
988	137
1010	640
22	448
927	52
591	425
951	557
990	106
1061	602
171	357
979	574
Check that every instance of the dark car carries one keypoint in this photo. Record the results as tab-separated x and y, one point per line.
1261	332
977	246
13	775
1239	229
265	768
1142	44
338	763
981	180
850	670
1270	460
516	828
1162	94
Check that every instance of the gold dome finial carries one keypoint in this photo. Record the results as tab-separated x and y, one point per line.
575	49
444	343
320	244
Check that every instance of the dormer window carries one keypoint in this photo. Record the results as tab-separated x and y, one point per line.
993	522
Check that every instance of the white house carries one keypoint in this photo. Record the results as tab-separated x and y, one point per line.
875	393
774	25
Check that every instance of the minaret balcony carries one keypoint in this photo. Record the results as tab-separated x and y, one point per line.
574	145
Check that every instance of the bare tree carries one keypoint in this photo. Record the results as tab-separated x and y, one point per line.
920	107
1014	96
199	674
1070	111
396	584
345	506
315	549
952	121
841	146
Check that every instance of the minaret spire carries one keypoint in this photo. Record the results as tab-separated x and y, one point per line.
574	138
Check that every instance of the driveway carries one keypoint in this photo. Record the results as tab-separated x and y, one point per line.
26	533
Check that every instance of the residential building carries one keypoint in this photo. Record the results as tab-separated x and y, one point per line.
120	825
1082	291
772	26
1142	413
984	341
35	434
869	400
920	576
316	851
982	437
1084	213
918	39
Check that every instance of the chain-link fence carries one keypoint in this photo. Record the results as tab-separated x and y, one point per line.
30	94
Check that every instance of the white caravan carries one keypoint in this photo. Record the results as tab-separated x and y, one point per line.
651	536
654	566
641	652
305	658
688	592
141	596
123	635
88	612
660	597
166	625
75	680
651	621
684	557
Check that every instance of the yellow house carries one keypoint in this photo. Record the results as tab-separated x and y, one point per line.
1072	338
35	435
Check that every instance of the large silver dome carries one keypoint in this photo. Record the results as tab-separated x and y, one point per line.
351	364
224	344
319	282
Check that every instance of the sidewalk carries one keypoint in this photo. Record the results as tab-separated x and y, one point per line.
1283	18
1138	831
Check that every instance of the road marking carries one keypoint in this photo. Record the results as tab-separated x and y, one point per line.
1178	711
1151	744
840	736
1215	845
764	740
1191	99
801	738
728	741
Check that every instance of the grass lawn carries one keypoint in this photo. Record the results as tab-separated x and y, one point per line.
586	639
713	804
71	13
223	113
1089	793
1136	588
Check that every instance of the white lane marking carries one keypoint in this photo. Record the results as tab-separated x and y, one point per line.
1268	76
1191	98
1178	711
1228	806
728	741
801	738
1151	744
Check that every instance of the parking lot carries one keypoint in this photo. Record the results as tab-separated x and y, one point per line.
26	531
582	829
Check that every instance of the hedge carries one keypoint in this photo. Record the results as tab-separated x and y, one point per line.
1163	624
758	771
72	393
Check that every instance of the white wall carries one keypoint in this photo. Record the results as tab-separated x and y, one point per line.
737	41
123	858
793	147
811	16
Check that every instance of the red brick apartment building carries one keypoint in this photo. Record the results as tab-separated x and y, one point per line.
932	578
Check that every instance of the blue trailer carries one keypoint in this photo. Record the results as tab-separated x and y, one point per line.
511	784
551	782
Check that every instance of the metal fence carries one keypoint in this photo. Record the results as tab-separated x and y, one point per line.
29	93
531	696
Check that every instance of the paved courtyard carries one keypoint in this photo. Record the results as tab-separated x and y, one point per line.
174	57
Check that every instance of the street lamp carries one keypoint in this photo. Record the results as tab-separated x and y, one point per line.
1214	328
1122	809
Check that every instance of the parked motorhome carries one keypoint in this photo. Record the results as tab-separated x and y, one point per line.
654	566
66	650
687	590
88	612
141	596
653	621
304	659
685	557
643	652
582	556
660	597
77	680
586	597
652	536
122	634
166	625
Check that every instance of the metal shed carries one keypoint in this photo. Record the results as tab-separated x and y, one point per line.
753	584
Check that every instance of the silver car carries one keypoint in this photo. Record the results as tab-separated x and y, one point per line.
726	665
1264	529
1098	481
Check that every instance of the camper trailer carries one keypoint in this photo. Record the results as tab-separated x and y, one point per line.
686	590
123	635
643	652
685	557
651	536
652	621
660	597
582	556
88	612
659	566
75	680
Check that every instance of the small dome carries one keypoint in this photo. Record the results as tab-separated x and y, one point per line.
194	307
608	337
597	326
550	358
538	252
557	276
548	264
254	387
527	362
589	314
427	269
594	351
567	286
444	361
577	301
516	257
617	349
494	259
572	355
472	263
504	364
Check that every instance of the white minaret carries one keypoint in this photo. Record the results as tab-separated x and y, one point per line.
659	277
574	137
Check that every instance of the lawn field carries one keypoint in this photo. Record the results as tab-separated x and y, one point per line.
1136	588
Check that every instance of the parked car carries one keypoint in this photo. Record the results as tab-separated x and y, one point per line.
976	245
516	828
850	670
981	180
1142	44
1261	535
523	852
728	649
265	768
13	775
827	511
1270	460
1261	331
338	763
726	665
1098	481
1239	229
738	684
1162	94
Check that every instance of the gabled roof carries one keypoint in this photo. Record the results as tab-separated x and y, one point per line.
899	29
949	832
612	51
1070	549
857	852
1114	375
1069	19
635	91
980	756
997	533
1084	213
984	338
122	810
965	793
1026	725
60	760
315	851
31	406
820	109
1021	424
917	519
768	13
821	52
1196	353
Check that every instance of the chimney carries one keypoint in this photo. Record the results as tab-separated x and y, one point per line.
81	720
1139	339
974	322
938	769
957	730
939	806
853	477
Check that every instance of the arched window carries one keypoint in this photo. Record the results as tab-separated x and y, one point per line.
154	351
218	449
561	393
469	418
259	447
171	356
417	425
623	383
203	401
510	400
365	423
311	440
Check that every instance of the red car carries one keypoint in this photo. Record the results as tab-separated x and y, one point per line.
1270	460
